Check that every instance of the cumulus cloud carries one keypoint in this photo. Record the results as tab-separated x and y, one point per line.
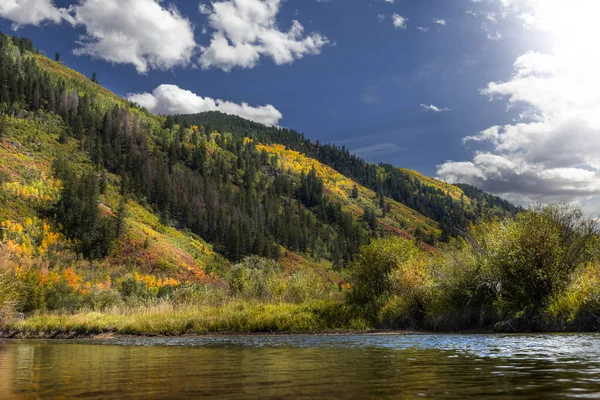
246	30
423	29
552	152
143	33
30	12
171	99
431	107
399	21
138	32
439	21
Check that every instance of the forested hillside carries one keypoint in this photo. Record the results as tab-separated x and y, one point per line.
449	205
102	200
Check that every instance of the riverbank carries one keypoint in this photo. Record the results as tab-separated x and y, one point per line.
169	320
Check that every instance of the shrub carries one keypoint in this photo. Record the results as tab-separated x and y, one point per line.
103	300
9	292
410	290
545	247
372	275
578	306
305	286
200	294
61	296
256	277
510	271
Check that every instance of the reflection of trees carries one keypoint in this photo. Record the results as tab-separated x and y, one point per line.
58	369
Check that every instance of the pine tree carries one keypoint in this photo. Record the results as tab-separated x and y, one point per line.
355	192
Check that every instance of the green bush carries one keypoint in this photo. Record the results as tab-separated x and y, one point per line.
133	288
103	300
372	275
304	286
527	273
543	250
257	278
198	294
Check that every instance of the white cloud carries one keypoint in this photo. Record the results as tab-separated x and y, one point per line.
138	32
30	12
431	107
423	29
380	17
171	99
389	1
552	153
399	21
439	21
246	30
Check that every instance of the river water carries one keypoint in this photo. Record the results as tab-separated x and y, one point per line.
305	366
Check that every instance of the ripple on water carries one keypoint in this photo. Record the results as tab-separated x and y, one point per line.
276	366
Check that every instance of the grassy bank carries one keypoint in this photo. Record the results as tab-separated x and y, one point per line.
168	319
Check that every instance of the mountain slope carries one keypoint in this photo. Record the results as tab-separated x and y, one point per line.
446	204
97	191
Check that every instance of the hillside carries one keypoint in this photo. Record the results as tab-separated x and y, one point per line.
98	195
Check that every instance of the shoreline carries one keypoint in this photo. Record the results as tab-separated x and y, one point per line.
4	336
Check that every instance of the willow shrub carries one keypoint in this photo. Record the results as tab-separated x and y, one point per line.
509	272
526	273
375	277
257	278
546	248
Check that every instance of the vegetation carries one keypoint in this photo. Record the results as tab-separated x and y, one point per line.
116	220
536	272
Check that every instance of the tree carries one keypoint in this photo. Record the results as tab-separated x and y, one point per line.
94	77
121	225
3	125
355	192
57	57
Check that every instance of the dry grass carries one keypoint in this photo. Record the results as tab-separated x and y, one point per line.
168	319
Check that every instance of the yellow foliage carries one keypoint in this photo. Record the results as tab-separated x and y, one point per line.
44	190
33	237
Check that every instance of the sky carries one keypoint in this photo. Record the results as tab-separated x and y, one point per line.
502	94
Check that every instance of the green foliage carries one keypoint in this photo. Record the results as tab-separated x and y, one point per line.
541	252
256	278
537	271
372	274
78	214
431	200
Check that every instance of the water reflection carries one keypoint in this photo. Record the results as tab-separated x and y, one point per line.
351	366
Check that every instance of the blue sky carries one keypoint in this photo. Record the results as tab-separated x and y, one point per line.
361	73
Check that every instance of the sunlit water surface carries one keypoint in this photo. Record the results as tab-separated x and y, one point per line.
339	366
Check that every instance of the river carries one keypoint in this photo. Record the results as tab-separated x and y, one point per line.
305	366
